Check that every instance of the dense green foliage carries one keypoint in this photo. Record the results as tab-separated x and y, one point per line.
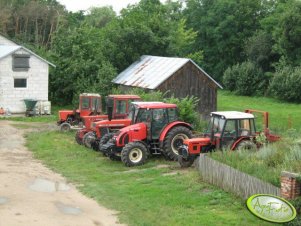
286	84
245	79
90	48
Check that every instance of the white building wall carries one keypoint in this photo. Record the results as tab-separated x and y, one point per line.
37	83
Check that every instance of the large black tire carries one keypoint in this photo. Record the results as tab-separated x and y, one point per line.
88	139
134	154
65	127
246	145
184	163
174	140
78	139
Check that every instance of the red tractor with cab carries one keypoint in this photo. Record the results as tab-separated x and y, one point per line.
226	130
154	129
118	109
89	104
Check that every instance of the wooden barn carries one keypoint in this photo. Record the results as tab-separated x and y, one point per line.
180	76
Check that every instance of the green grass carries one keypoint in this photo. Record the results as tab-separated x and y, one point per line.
282	114
145	195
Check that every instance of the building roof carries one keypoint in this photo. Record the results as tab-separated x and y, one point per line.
151	71
233	114
6	50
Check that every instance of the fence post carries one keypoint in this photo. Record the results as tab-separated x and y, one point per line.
290	185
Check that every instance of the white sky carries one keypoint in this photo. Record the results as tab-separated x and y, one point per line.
76	5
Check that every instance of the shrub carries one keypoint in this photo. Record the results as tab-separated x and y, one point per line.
245	79
286	84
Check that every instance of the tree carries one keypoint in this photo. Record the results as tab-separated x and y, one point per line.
223	26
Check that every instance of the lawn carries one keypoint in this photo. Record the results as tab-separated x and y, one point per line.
158	193
283	116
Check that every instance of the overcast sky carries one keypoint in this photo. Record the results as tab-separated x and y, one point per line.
75	5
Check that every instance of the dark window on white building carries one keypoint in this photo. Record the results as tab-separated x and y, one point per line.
20	83
21	62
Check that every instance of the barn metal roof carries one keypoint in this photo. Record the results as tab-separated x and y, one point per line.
6	50
151	71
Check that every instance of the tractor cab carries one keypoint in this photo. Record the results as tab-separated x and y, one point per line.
155	115
225	128
89	104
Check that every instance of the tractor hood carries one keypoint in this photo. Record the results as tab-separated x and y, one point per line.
132	133
197	141
136	127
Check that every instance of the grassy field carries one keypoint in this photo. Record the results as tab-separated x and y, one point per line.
158	193
283	116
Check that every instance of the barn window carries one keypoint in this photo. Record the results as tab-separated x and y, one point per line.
20	62
20	83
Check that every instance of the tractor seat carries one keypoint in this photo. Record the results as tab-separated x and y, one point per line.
244	132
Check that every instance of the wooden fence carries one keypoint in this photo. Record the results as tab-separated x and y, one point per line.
232	180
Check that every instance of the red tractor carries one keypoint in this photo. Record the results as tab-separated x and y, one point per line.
155	129
118	109
227	130
89	104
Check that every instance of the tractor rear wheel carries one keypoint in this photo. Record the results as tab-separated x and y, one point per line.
88	139
65	127
78	139
184	163
134	154
174	139
246	145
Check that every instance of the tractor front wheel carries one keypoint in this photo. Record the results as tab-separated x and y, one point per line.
105	138
246	145
65	127
78	139
88	139
184	163
174	140
134	154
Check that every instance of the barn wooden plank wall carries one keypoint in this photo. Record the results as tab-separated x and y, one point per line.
232	180
189	81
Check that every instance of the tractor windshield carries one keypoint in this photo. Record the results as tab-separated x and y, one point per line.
216	125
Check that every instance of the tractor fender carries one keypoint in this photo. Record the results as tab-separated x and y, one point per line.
132	133
170	126
234	145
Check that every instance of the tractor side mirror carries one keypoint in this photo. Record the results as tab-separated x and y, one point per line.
110	107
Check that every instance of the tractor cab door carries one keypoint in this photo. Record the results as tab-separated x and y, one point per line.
215	129
96	105
120	109
84	106
229	134
159	121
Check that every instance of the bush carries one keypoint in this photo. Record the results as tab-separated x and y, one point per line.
245	79
286	84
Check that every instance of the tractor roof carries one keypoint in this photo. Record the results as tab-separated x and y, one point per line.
125	96
90	94
233	114
154	105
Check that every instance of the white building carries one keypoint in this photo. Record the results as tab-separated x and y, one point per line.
23	75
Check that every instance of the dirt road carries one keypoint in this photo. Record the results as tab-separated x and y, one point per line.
31	194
